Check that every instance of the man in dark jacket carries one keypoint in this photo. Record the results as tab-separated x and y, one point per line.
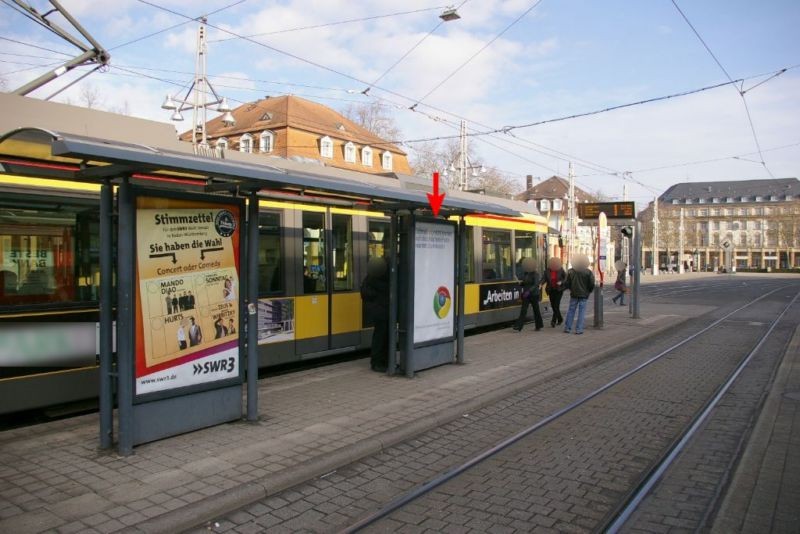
530	294
375	294
580	282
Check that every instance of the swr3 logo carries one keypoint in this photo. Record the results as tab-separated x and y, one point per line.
226	364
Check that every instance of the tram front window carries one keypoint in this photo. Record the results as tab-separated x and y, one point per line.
314	252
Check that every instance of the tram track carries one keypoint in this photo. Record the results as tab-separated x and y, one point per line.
656	466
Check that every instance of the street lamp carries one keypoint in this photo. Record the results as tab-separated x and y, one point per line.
450	14
198	91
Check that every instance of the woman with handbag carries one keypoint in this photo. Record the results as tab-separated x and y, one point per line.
619	285
530	295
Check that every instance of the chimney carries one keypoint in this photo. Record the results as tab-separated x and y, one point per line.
528	182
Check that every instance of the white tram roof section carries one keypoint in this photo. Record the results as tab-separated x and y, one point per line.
142	145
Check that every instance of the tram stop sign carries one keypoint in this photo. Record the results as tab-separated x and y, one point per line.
726	244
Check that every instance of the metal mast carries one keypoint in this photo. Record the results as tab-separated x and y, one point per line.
655	236
625	242
573	222
680	244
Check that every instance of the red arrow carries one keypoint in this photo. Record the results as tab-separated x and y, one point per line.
435	198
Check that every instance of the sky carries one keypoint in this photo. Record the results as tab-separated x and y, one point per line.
561	58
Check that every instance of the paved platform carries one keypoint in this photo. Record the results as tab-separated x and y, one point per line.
52	477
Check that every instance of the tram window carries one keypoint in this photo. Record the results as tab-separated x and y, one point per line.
270	260
314	252
470	254
49	253
342	238
497	255
528	245
378	235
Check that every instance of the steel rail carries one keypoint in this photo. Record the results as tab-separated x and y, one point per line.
656	473
421	490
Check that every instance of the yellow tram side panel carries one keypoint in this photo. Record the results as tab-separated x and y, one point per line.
311	315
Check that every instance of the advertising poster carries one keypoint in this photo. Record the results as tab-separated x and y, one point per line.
434	281
275	320
187	266
496	296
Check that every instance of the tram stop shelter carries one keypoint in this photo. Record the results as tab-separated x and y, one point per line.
170	216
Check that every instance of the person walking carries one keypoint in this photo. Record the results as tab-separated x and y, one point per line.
553	282
580	282
619	285
375	294
530	295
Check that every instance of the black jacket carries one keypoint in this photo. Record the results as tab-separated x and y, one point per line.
580	283
530	283
375	294
561	276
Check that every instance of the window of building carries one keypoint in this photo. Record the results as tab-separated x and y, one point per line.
386	161
703	212
366	156
342	250
773	198
222	143
689	201
756	240
266	142
326	147
270	256
730	200
674	200
756	225
544	205
50	252
759	198
558	205
715	200
314	277
497	255
246	143
350	152
701	201
789	197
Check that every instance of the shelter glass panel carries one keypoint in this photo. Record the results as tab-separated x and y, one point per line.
270	255
342	243
497	255
314	253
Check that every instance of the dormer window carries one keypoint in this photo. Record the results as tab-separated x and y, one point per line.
366	156
729	200
222	143
246	143
715	200
326	147
350	152
266	117
340	126
386	161
557	205
544	205
266	142
759	198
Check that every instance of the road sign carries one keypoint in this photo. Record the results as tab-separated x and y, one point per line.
613	210
726	244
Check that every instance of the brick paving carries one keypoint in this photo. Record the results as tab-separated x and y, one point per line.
52	477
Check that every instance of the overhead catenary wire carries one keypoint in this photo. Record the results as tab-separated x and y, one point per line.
477	53
328	24
35	46
740	90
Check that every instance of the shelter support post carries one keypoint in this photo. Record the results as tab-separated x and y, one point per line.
460	280
252	307
391	368
598	305
106	317
637	271
407	247
125	307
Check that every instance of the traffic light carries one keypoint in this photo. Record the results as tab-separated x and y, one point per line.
627	231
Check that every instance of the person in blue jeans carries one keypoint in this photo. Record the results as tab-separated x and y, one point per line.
580	282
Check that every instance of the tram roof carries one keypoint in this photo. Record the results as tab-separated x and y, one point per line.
91	158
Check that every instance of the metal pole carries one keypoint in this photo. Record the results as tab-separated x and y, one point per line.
125	319
680	244
391	368
461	278
106	317
410	228
573	230
655	237
598	290
252	307
637	271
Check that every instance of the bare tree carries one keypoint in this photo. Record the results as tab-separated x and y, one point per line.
90	96
376	117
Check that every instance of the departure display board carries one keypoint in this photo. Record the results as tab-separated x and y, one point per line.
613	210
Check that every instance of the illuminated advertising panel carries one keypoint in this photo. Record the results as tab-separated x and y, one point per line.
434	281
187	310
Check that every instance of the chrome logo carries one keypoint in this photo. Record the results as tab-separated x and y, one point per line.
441	302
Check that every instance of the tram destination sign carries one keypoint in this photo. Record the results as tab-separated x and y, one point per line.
613	210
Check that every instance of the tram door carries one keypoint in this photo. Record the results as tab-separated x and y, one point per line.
328	314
